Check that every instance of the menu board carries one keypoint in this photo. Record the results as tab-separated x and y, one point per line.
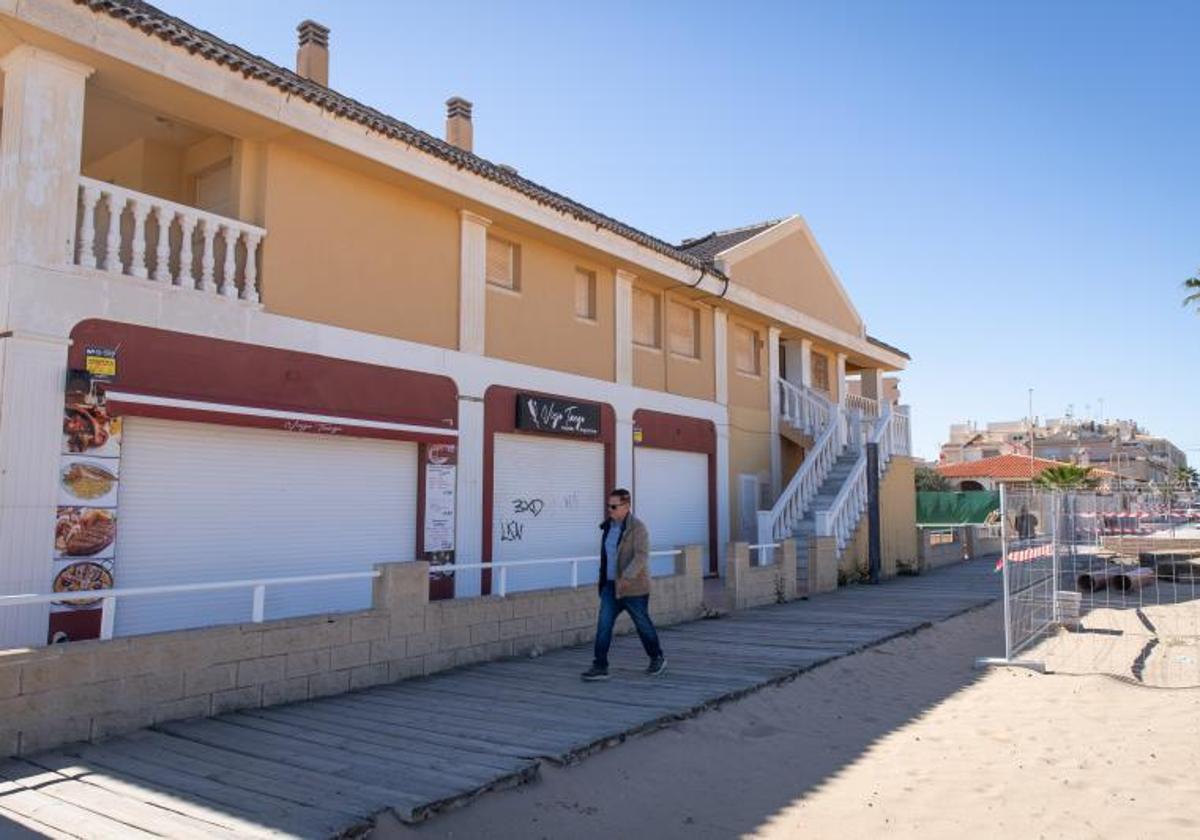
85	528
441	474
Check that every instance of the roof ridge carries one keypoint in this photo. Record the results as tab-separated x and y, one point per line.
178	32
769	223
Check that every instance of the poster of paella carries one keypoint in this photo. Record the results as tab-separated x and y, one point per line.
85	528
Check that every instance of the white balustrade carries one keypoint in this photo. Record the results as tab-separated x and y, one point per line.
804	408
866	405
133	222
778	522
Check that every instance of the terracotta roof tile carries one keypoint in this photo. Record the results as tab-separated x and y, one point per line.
1020	467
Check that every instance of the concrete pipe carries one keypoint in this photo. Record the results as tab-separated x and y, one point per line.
1131	580
1095	581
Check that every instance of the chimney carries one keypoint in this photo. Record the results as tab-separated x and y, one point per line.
312	59
458	123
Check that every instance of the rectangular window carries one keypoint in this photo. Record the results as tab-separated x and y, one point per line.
647	330
746	350
503	263
683	330
820	372
585	294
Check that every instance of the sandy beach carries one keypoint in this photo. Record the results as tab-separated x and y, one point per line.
904	740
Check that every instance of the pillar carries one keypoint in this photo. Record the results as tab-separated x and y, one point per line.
721	355
33	372
469	512
472	283
839	393
872	384
773	407
806	362
623	327
40	149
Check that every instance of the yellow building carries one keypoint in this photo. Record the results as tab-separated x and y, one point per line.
299	336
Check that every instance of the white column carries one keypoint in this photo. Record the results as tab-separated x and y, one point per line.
40	150
872	384
840	393
723	481
623	327
32	377
806	362
469	512
472	283
624	474
773	407
721	355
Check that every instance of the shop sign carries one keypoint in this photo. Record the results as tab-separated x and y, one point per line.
440	475
567	417
101	363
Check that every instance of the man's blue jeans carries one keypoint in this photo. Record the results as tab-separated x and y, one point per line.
611	606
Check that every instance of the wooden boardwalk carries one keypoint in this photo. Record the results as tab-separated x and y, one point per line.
318	768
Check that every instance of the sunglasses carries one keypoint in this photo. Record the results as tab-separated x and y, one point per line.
617	505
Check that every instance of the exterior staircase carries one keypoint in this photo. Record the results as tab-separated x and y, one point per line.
827	496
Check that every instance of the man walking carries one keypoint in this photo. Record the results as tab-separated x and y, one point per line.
624	585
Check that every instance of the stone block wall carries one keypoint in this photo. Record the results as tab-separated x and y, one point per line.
753	586
90	690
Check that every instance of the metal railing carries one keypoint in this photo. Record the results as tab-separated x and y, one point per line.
501	569
763	552
108	597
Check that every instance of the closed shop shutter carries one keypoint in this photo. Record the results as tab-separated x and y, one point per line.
671	497
201	502
547	501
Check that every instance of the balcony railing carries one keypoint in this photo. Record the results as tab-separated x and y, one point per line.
133	234
868	406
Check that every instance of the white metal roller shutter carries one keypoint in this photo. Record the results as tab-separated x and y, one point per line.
201	502
547	501
671	497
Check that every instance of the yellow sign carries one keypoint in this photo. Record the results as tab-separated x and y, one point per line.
637	435
101	362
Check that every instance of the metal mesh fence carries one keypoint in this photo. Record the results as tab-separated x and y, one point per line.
1102	583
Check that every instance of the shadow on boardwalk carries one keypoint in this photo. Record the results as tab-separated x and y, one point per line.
322	767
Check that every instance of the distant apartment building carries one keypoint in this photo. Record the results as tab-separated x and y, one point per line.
1121	447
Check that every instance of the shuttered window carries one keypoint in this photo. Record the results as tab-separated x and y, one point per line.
746	347
647	330
503	263
683	330
585	294
820	372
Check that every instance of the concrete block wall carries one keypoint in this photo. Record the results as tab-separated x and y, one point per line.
753	586
90	690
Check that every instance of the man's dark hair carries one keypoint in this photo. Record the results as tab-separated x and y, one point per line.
621	493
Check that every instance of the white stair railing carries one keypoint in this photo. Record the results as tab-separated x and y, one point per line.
803	408
778	522
154	239
841	518
868	406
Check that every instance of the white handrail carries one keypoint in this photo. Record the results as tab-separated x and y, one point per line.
108	597
502	568
866	405
804	408
841	518
165	217
778	522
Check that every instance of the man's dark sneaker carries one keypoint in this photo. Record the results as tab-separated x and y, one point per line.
594	674
657	665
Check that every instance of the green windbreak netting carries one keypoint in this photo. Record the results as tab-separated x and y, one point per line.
969	508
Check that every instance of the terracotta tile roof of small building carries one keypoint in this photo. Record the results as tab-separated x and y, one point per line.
1017	467
710	244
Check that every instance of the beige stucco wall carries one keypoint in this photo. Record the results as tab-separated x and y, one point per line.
538	326
692	377
791	271
749	453
352	251
898	525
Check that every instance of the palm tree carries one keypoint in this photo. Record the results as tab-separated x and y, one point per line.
1067	477
1186	478
1192	286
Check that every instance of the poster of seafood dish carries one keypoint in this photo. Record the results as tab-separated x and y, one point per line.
85	527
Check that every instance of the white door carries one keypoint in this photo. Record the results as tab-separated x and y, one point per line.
201	502
547	501
671	497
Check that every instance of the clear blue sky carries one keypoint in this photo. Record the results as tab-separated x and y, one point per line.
1009	190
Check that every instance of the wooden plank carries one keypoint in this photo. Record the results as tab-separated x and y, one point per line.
39	807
